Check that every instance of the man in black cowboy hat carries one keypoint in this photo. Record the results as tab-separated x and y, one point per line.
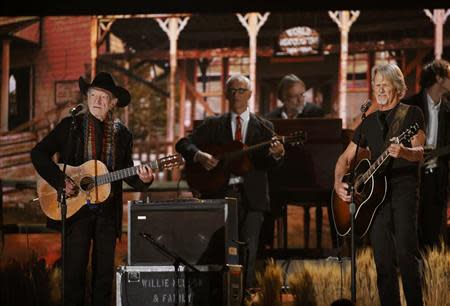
96	136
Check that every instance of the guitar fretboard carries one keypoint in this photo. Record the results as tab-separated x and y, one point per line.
372	169
122	174
282	139
406	135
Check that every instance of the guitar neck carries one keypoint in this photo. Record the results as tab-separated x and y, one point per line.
373	168
123	173
253	148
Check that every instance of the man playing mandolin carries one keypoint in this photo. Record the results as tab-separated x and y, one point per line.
250	187
97	136
393	233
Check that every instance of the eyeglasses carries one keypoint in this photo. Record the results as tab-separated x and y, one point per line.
237	90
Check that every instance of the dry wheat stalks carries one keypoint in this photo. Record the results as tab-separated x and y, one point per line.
55	285
270	282
437	276
302	288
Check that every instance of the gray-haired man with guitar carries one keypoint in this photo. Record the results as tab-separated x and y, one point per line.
435	84
391	178
97	143
245	175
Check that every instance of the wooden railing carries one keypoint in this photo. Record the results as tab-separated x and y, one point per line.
151	149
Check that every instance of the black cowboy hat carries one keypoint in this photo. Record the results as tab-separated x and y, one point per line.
104	80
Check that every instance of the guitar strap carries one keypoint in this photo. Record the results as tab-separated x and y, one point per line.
394	129
397	123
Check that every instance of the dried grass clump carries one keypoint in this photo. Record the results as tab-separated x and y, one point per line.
270	282
302	288
366	278
437	276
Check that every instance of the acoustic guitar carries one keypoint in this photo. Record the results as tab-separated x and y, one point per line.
370	187
94	184
233	159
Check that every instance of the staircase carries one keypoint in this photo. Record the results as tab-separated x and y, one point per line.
15	162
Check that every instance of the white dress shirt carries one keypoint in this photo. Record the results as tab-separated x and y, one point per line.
432	127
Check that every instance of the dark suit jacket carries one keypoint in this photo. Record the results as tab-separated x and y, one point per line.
420	100
217	130
310	110
57	142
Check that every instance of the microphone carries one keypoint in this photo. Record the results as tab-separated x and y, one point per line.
75	110
365	106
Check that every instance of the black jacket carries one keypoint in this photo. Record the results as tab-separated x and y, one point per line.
310	110
443	139
57	141
217	130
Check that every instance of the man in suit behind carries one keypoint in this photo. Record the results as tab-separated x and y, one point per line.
435	84
251	189
291	92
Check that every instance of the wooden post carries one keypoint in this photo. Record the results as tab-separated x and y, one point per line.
253	22
344	22
194	84
5	85
438	17
223	80
126	110
94	46
182	109
2	234
172	26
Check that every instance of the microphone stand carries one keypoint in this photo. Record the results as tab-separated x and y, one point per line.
352	208
61	194
176	263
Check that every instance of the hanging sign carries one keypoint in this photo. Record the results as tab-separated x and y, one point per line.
298	41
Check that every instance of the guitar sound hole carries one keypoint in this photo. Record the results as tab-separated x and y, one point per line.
87	183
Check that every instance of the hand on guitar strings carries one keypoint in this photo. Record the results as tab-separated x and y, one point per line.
145	173
206	160
341	190
71	188
276	148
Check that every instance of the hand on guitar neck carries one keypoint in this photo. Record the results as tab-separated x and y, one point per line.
276	148
209	162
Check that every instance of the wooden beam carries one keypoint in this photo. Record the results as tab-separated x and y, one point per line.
94	47
421	53
6	45
298	59
134	77
223	79
104	30
189	54
198	96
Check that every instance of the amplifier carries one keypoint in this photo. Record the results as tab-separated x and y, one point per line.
202	232
156	285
